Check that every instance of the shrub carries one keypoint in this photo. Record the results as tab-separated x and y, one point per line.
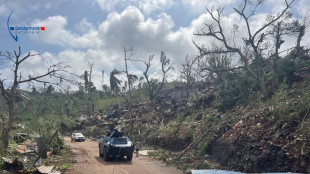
235	87
57	144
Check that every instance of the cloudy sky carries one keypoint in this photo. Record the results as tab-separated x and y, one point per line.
78	32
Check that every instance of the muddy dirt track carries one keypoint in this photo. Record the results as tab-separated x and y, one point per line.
89	162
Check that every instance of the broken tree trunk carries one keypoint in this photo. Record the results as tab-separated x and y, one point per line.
45	147
42	151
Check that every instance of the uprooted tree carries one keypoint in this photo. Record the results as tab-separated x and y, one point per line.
9	86
259	49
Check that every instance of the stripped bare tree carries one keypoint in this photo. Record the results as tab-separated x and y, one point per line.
128	84
253	44
153	85
187	70
128	53
9	89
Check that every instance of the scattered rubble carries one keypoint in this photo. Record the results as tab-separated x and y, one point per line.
47	170
26	147
145	152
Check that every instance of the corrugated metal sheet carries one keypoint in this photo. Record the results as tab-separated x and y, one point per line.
55	172
45	169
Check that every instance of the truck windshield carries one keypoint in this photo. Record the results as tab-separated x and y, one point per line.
77	134
119	141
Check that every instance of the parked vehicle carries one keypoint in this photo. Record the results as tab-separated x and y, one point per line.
116	145
77	137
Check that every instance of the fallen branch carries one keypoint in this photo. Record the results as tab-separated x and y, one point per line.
194	143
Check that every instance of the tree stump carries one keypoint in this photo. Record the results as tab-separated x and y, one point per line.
42	151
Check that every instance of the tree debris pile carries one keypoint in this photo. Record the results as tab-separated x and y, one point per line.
23	158
267	135
272	138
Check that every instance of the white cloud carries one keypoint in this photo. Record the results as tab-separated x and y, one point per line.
34	65
4	11
22	7
132	29
84	26
108	5
199	6
303	7
102	43
147	6
56	34
129	28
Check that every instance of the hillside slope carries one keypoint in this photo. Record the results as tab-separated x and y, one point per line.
267	135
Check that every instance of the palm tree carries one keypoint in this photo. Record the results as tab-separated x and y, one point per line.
105	88
114	81
141	81
132	79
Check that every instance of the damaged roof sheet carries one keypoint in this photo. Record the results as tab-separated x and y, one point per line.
45	169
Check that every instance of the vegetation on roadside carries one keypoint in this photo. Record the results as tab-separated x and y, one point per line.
250	117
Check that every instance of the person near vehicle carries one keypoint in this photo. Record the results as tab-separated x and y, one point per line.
108	133
138	147
71	137
111	128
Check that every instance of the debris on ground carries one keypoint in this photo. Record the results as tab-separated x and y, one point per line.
10	161
12	164
190	160
145	152
47	170
27	146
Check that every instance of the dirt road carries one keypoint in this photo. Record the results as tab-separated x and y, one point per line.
89	162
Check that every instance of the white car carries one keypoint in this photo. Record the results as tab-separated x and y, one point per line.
77	137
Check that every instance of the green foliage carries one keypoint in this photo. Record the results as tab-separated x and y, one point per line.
46	127
172	128
104	104
57	145
68	124
62	160
114	81
1	164
280	97
235	87
20	140
291	112
2	154
140	95
303	111
190	131
286	67
154	86
49	90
